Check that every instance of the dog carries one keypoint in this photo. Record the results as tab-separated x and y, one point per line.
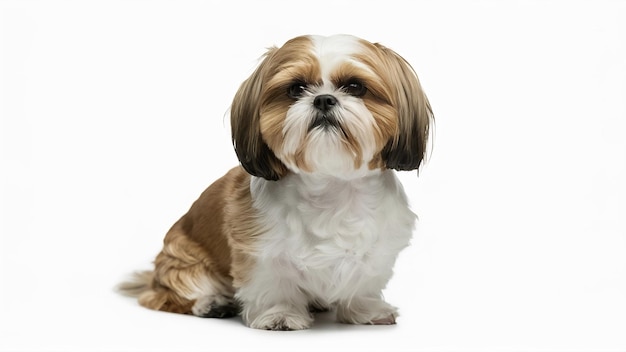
314	217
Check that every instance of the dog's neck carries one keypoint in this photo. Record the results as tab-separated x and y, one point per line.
312	186
326	185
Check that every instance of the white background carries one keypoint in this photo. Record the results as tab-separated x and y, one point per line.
114	120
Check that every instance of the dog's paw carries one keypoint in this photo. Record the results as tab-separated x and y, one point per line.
283	319
367	311
389	320
215	306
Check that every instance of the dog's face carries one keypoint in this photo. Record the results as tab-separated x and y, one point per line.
338	106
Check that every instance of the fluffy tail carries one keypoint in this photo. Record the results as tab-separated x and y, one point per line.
139	283
153	295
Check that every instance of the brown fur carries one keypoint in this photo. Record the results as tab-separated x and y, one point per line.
293	62
212	240
406	148
266	89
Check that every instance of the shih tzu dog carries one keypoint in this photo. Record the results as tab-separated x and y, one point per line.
315	216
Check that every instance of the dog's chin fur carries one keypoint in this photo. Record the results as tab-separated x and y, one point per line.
314	217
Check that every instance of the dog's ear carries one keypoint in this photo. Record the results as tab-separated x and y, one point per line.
407	148
253	153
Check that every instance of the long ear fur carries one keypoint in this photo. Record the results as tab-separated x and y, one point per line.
407	149
253	153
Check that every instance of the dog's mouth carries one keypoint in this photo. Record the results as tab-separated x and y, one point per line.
325	121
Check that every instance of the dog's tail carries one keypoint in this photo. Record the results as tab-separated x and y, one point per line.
139	283
152	295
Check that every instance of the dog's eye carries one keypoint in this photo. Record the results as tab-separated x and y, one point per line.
296	90
355	88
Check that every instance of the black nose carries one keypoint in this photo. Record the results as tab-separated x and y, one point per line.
324	102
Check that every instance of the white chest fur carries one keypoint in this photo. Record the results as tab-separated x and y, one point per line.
331	238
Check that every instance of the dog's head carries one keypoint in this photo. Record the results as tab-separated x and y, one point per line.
336	105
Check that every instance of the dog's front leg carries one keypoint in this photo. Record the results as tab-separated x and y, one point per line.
370	309
272	299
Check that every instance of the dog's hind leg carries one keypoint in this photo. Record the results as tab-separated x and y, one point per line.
185	280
